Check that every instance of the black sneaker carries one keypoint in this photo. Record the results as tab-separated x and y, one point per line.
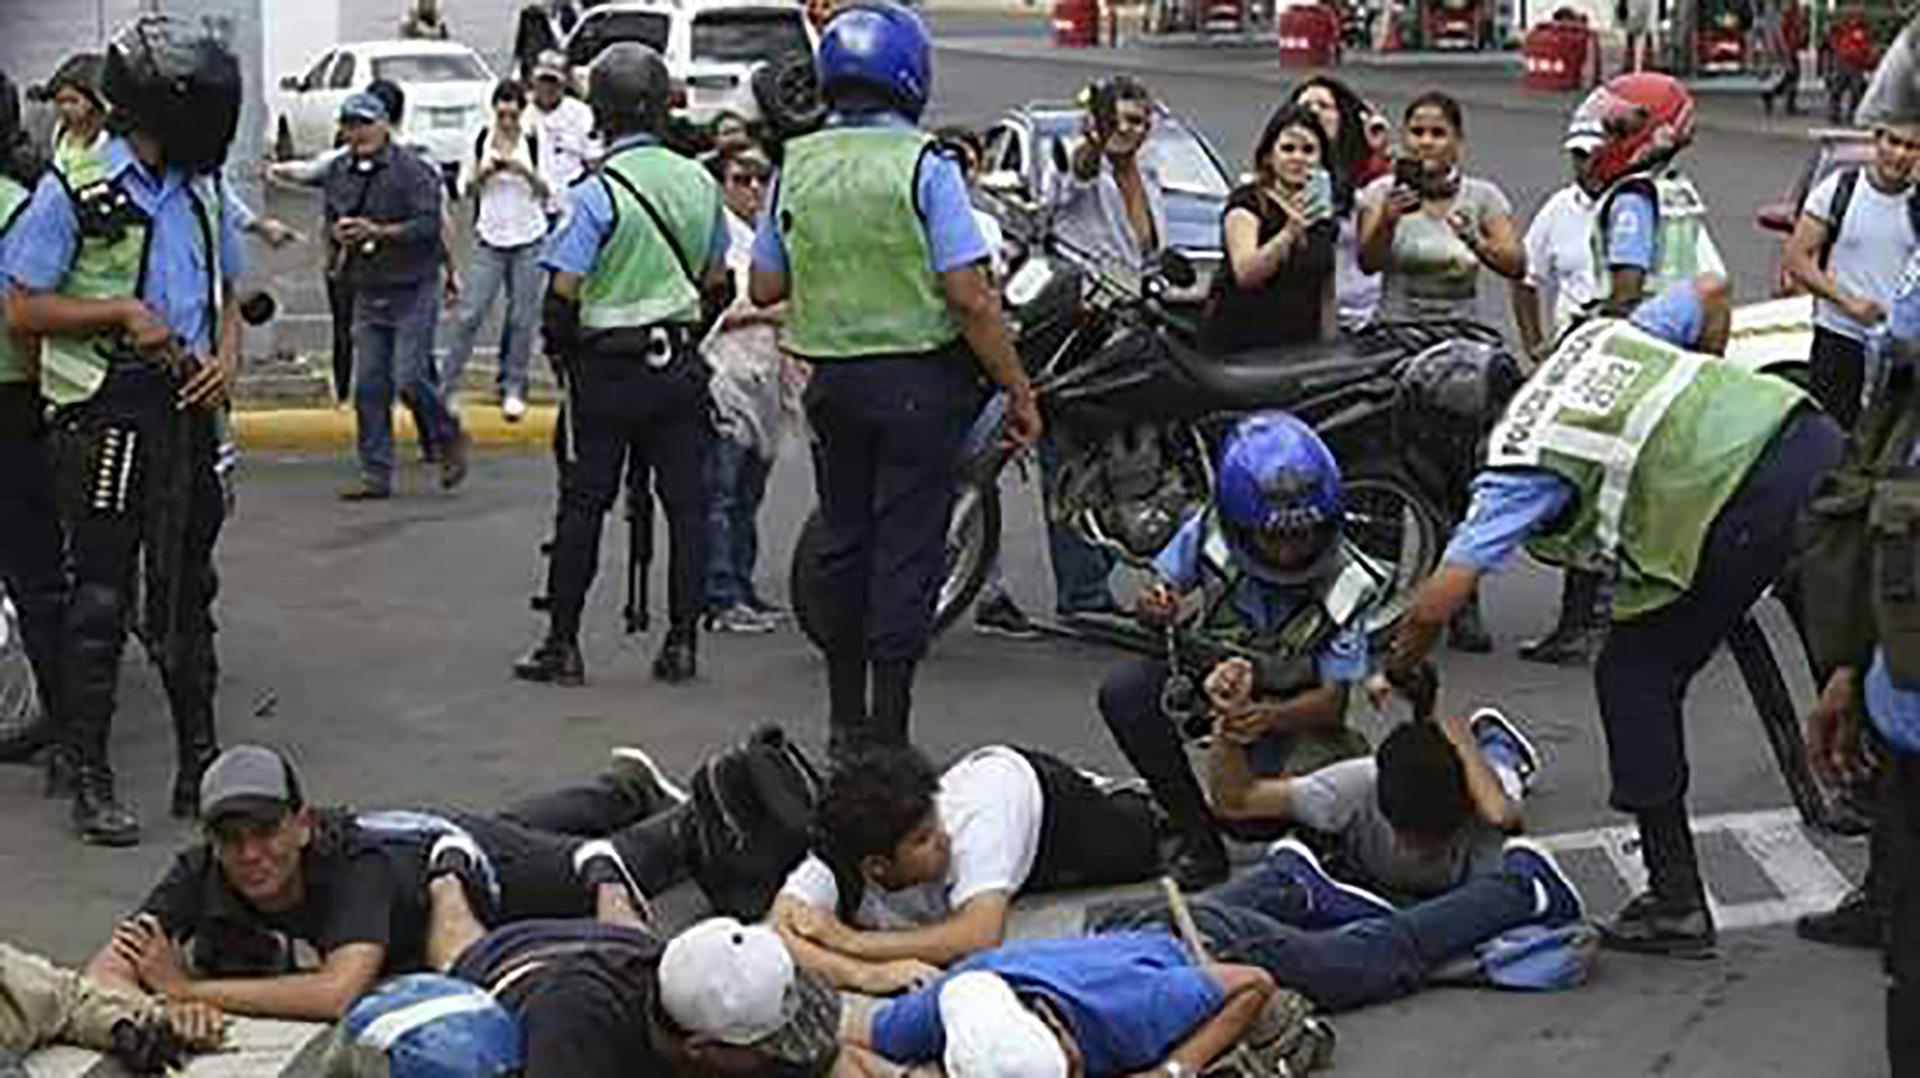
1660	926
554	662
1565	647
456	854
1856	922
598	863
1001	616
636	772
366	491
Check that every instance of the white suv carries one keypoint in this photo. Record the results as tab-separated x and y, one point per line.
711	46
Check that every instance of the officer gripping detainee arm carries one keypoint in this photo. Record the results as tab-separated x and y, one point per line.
1680	475
124	263
639	269
871	239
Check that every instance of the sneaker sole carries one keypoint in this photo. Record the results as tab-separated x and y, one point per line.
639	758
1006	633
601	849
1529	753
1687	950
1357	893
1579	902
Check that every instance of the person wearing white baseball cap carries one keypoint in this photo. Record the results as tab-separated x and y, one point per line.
743	1003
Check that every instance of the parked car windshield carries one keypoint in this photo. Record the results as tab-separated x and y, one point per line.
431	67
747	36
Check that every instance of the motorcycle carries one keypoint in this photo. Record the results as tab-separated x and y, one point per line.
1136	412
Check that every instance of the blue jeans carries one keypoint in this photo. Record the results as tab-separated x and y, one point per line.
517	270
1251	920
393	348
736	485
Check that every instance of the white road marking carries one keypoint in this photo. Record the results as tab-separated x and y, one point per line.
1806	880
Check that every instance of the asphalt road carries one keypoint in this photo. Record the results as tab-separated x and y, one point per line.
373	643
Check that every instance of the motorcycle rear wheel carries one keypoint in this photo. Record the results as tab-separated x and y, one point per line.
973	545
19	698
1392	522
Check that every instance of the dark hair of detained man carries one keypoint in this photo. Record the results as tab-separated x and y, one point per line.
288	911
124	264
915	868
895	306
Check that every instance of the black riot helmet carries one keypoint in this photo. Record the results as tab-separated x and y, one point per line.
178	83
629	90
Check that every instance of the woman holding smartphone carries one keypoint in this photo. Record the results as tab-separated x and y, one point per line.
1277	285
1430	229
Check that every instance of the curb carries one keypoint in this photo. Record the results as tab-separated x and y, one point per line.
305	429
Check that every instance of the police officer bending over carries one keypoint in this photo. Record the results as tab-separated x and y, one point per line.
872	241
638	269
124	263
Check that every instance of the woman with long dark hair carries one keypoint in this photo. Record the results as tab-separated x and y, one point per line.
1277	285
1354	163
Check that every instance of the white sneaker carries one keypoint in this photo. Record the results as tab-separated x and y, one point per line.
513	409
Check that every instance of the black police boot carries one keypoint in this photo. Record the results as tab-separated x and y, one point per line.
1858	921
98	815
1466	632
847	717
679	659
1671	918
557	661
190	691
1580	629
892	701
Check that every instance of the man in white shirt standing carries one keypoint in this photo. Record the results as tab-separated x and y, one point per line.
1849	248
563	125
915	869
511	194
1559	246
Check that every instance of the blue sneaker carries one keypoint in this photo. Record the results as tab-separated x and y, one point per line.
1556	901
1330	903
1503	742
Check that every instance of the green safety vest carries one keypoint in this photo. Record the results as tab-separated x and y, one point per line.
1654	440
857	256
1284	654
13	200
644	276
103	268
1681	244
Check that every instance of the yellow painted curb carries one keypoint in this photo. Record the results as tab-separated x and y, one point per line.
329	428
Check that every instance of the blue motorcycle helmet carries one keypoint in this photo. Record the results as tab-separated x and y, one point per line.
425	1026
1279	497
877	49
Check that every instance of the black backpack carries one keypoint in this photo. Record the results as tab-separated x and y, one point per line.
1842	198
753	818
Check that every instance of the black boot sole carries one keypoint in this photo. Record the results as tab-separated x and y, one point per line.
1687	948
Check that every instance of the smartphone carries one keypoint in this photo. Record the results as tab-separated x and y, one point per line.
1408	172
1319	195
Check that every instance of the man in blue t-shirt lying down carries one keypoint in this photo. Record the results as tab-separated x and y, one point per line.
1104	1005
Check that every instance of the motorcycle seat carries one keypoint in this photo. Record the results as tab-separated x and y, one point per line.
1279	376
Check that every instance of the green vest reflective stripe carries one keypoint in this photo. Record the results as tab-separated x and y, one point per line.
104	268
1285	654
13	200
1682	249
82	163
857	255
638	279
1654	440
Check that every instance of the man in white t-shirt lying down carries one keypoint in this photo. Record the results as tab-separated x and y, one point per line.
915	869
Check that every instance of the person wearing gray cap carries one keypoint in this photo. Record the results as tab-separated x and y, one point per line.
292	912
383	212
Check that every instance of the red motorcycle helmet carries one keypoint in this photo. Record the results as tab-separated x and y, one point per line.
1643	118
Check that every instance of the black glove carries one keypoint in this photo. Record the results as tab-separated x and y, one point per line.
560	326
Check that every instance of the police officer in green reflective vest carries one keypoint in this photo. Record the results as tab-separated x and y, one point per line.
1680	475
871	239
638	269
124	263
31	569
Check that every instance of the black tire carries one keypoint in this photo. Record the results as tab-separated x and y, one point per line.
19	698
973	545
1773	702
1391	521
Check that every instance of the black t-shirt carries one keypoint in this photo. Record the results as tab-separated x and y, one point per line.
357	891
1287	309
586	1008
